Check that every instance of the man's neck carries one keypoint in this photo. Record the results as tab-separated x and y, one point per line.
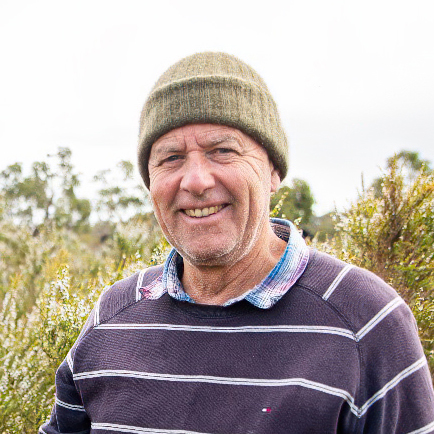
215	285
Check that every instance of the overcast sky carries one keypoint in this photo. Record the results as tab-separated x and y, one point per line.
354	80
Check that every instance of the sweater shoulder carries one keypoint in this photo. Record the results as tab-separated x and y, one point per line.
356	294
124	293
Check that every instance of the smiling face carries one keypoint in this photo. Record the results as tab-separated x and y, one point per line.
210	187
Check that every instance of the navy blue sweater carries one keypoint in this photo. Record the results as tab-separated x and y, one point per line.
337	354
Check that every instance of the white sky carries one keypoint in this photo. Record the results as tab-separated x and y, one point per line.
354	80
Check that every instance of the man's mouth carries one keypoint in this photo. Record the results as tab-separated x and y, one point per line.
203	212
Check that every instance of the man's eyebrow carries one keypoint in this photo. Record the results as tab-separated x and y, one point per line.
166	146
215	140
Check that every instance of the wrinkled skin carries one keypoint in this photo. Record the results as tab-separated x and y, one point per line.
210	187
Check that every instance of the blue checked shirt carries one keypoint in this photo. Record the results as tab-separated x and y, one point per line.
264	295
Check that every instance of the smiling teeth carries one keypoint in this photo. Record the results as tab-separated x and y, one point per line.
204	212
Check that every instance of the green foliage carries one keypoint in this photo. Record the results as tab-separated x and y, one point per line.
392	234
45	196
54	263
293	203
411	164
34	344
33	347
40	321
118	197
322	227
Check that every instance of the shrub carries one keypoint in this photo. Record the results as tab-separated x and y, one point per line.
33	346
390	231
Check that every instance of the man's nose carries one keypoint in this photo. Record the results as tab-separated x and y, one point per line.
197	176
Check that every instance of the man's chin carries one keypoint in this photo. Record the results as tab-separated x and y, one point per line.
208	257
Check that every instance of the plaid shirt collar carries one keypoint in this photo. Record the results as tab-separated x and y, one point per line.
264	295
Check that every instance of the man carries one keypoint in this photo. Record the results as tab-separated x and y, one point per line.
244	329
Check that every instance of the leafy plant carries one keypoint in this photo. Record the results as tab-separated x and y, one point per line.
392	234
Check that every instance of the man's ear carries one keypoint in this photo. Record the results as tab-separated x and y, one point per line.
275	180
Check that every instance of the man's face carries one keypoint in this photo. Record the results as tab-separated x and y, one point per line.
210	187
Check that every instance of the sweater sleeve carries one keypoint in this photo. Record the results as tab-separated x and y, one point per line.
396	392
391	391
68	414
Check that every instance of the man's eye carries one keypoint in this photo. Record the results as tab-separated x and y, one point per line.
172	158
223	151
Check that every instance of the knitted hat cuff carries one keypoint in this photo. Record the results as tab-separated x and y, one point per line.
217	99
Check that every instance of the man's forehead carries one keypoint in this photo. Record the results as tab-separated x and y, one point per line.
201	133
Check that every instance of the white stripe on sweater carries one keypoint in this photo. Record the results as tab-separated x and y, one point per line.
379	317
424	430
244	329
97	305
383	313
137	429
337	280
392	383
262	382
140	284
69	406
70	362
96	316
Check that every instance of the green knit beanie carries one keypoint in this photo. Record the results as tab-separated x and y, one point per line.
214	88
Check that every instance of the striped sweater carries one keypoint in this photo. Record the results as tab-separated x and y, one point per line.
338	353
